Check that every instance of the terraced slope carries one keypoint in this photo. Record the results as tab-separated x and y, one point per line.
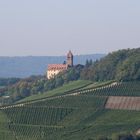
116	89
50	119
81	116
77	117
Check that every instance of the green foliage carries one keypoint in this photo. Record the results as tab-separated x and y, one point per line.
71	74
130	68
65	89
88	63
39	84
122	65
82	116
8	81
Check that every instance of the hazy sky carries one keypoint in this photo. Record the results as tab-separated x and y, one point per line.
52	27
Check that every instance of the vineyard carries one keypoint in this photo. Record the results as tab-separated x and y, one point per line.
116	89
79	114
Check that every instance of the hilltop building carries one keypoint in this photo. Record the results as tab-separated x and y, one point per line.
70	59
54	69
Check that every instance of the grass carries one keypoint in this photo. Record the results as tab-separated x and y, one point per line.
59	91
97	85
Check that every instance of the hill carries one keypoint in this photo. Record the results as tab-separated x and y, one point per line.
76	115
106	108
122	65
22	67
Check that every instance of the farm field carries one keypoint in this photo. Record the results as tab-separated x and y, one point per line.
80	116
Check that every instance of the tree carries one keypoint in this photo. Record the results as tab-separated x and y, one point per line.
59	82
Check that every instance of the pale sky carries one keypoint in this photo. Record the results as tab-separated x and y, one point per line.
52	27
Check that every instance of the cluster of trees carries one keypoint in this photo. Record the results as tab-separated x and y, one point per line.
8	81
122	65
40	84
26	87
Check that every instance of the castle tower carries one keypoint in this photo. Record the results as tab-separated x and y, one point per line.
70	59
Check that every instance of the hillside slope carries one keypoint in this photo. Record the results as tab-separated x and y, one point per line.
75	117
122	65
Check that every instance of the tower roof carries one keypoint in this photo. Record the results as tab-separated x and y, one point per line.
69	54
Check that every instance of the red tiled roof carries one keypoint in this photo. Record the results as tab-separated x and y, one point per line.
57	67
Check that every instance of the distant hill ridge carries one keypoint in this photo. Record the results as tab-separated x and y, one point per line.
36	65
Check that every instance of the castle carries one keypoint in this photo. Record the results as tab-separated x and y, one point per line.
54	69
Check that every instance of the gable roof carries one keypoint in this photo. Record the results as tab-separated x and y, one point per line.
57	67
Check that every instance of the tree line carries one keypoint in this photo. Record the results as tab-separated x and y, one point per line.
122	65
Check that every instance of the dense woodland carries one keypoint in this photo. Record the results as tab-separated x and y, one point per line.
122	65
